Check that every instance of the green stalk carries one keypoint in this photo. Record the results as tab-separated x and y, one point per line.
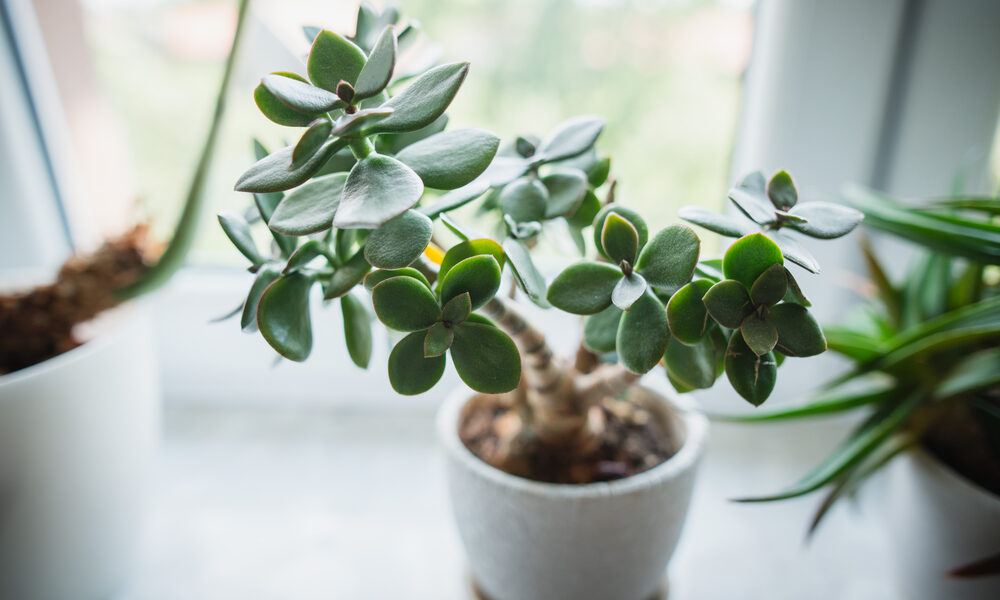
187	226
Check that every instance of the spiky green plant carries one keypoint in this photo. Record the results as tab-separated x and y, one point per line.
925	350
352	204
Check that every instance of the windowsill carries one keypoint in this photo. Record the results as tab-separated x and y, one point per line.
321	502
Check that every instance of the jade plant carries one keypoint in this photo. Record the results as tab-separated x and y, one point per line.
352	206
925	351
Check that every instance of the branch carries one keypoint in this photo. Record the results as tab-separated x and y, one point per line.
605	381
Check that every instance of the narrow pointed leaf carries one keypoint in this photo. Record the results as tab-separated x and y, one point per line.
265	277
375	75
424	100
584	288
793	292
485	358
357	330
237	230
283	316
309	208
399	242
643	334
274	173
378	189
349	125
830	402
410	372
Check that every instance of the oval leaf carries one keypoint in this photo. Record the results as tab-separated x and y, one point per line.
283	316
628	290
643	334
478	275
377	277
781	191
825	220
485	358
771	286
451	159
309	208
333	59
566	190
467	249
378	189
458	309
399	242
751	198
751	376
405	304
438	339
619	239
584	288
410	372
626	213
750	256
424	100
798	332
311	141
686	312
357	330
570	138
274	173
693	366
759	334
669	260
350	274
299	96
276	110
601	330
524	200
713	221
375	74
728	303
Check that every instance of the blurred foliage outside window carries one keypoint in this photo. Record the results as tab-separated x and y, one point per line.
665	73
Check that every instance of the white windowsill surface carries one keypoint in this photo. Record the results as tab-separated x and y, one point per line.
318	502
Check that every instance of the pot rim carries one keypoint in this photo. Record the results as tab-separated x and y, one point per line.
124	314
696	429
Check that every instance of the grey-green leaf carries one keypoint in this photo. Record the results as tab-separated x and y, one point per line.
628	289
524	200
528	278
378	189
357	330
311	141
274	173
283	316
601	330
424	100
643	334
310	207
300	96
566	191
377	71
669	260
713	221
456	198
265	277
571	137
584	288
237	230
485	358
451	159
410	372
825	220
751	198
399	242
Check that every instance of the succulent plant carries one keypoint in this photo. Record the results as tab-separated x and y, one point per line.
353	203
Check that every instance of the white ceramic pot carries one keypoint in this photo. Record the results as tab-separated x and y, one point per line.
938	521
528	540
77	436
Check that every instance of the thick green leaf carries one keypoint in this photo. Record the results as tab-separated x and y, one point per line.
377	71
571	137
456	198
478	275
467	249
265	277
586	212
524	200
751	376
643	334
528	278
378	189
274	173
357	330
505	169
794	251
438	339
566	191
794	292
749	257
392	143
310	207
237	230
349	125
781	191
424	100
692	365
283	316
350	274
598	173
750	197
276	110
669	260
628	289
399	242
686	313
728	303
584	288
451	159
410	372
759	334
299	96
771	286
311	141
798	332
304	255
485	358
601	330
458	309
333	59
376	277
619	239
405	304
713	221
626	213
825	220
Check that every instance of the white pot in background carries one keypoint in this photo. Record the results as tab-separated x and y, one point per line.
77	436
939	521
528	540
